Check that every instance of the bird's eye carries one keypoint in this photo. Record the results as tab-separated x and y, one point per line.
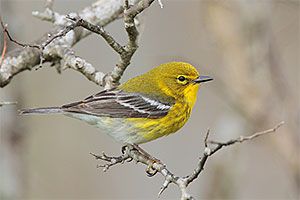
181	78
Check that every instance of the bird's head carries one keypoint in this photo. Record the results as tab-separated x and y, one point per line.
169	81
179	79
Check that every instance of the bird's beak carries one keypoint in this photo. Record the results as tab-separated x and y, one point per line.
202	79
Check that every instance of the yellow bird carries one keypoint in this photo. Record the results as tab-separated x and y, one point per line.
144	108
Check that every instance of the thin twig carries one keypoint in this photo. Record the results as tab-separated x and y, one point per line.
60	34
208	151
243	138
206	137
4	26
98	30
6	32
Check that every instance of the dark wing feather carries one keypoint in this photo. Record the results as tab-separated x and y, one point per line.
119	104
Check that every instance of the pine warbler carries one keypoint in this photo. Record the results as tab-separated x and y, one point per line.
144	108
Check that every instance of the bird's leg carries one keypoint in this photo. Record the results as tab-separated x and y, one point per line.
149	170
137	147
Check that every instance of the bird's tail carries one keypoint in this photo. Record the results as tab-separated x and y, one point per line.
47	110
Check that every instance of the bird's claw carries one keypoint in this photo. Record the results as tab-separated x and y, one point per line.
150	170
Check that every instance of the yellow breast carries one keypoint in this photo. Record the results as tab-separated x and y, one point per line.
151	129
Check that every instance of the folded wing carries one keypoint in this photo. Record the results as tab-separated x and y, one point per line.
119	104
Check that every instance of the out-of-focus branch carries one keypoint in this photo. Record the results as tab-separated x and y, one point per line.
5	103
48	14
139	155
4	45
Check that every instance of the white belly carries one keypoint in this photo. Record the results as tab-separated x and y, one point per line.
115	127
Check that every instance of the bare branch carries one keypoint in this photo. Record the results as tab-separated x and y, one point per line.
100	13
208	151
126	53
133	11
60	40
139	155
243	138
70	60
129	15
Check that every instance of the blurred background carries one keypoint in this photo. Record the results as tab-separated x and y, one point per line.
252	50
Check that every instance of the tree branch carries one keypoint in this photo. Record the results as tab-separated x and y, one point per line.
61	38
70	60
138	155
48	14
129	14
126	53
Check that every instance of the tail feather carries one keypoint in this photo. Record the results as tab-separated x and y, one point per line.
47	110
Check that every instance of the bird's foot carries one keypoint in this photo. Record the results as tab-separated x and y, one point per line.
150	170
